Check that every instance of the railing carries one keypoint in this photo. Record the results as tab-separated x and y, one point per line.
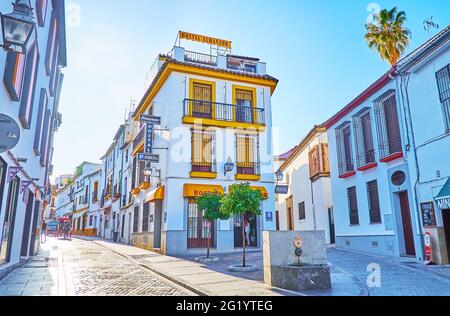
346	167
139	138
200	58
223	112
390	147
198	166
248	168
365	158
241	66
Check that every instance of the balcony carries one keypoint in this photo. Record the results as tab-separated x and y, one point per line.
222	114
346	169
205	170
138	141
250	171
200	58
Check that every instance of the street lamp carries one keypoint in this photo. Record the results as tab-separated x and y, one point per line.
279	175
229	166
18	27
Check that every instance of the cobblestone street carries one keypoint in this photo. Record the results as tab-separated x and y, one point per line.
83	268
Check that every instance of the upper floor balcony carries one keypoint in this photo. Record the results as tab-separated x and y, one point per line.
222	114
138	141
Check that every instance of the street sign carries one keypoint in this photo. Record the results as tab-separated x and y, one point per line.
150	119
281	189
148	157
149	139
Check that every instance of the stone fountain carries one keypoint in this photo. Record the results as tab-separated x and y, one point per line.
296	261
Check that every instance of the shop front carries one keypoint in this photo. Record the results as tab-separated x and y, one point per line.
443	204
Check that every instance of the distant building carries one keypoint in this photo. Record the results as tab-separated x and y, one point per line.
308	203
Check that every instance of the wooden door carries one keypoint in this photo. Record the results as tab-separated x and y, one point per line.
289	215
407	225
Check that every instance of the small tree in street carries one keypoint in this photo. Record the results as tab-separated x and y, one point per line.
210	204
242	200
388	35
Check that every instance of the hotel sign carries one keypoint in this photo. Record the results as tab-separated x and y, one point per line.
205	39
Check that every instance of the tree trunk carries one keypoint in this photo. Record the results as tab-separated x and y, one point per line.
209	240
244	242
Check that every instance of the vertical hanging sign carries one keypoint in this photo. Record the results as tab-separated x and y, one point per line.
149	139
13	172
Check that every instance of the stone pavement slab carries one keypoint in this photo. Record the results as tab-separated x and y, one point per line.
207	280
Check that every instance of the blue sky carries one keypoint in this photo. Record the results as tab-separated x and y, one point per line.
315	48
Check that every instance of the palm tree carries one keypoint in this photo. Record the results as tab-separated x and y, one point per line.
388	35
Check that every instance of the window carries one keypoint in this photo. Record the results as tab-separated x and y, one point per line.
145	217
443	80
374	202
244	105
353	206
362	125
41	10
3	168
43	102
247	154
14	74
344	149
202	95
95	192
45	144
198	228
9	220
301	211
319	165
50	59
29	85
91	218
203	151
388	128
136	220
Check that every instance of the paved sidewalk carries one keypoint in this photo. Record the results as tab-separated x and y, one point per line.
40	276
208	280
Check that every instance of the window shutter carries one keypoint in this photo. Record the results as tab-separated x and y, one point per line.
353	206
45	143
41	10
374	202
51	45
14	74
43	101
29	87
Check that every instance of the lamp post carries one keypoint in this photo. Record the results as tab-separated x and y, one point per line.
279	175
19	28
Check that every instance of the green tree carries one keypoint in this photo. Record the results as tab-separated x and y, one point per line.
210	204
388	35
240	201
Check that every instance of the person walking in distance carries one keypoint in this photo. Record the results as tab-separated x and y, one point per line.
44	232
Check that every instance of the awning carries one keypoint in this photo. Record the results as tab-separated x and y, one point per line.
156	195
443	198
196	190
263	191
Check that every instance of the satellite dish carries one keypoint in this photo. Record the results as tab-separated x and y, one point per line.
9	133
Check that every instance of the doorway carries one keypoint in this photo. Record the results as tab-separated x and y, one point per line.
446	222
289	215
332	228
27	228
157	225
252	219
34	229
407	224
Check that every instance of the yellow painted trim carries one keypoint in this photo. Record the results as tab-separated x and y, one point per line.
216	123
211	73
136	191
248	177
144	185
205	175
139	149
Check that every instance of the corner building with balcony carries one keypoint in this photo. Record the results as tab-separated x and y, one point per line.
215	110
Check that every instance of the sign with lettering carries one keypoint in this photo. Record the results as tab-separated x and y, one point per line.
205	39
281	189
150	119
148	157
428	214
269	217
444	204
149	139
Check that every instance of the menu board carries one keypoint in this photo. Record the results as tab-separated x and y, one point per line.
428	214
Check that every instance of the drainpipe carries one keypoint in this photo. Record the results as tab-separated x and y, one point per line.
404	83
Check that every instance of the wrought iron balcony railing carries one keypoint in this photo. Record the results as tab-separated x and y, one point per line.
223	112
346	167
249	168
199	166
200	58
139	138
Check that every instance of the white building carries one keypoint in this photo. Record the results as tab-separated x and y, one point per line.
29	96
308	203
214	108
424	81
64	201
